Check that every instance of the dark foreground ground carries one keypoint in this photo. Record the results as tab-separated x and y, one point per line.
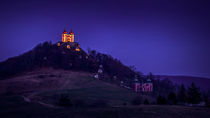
16	107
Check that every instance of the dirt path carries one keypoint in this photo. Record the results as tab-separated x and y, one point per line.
26	99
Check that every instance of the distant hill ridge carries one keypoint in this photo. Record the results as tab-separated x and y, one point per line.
203	83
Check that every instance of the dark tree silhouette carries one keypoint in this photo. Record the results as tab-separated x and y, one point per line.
162	87
161	100
172	98
146	101
136	101
193	94
182	95
65	101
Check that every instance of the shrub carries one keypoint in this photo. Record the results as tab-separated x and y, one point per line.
124	104
208	102
172	98
146	102
136	101
161	100
99	103
51	75
79	103
41	76
153	102
65	101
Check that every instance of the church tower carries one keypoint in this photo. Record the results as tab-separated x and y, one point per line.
136	84
71	37
64	36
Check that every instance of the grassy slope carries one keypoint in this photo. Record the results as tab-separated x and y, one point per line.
47	85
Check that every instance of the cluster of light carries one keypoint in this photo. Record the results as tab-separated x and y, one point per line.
68	46
59	44
77	49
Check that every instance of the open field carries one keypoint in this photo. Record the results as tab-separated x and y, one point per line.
16	107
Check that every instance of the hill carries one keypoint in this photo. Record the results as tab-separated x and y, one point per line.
35	94
203	83
50	81
48	55
46	86
51	55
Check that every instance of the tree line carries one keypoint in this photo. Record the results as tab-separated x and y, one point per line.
50	55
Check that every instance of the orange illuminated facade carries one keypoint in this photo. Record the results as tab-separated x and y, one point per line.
68	37
68	41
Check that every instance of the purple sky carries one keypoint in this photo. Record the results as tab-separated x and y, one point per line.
162	37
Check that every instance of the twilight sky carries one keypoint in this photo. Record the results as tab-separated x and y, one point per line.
169	37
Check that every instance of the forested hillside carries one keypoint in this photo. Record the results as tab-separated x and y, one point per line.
50	55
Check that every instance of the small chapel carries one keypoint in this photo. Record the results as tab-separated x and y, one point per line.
68	41
146	86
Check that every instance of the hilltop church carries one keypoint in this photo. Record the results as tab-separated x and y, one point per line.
68	41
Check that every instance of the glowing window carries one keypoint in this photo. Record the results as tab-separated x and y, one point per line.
77	49
68	46
59	44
